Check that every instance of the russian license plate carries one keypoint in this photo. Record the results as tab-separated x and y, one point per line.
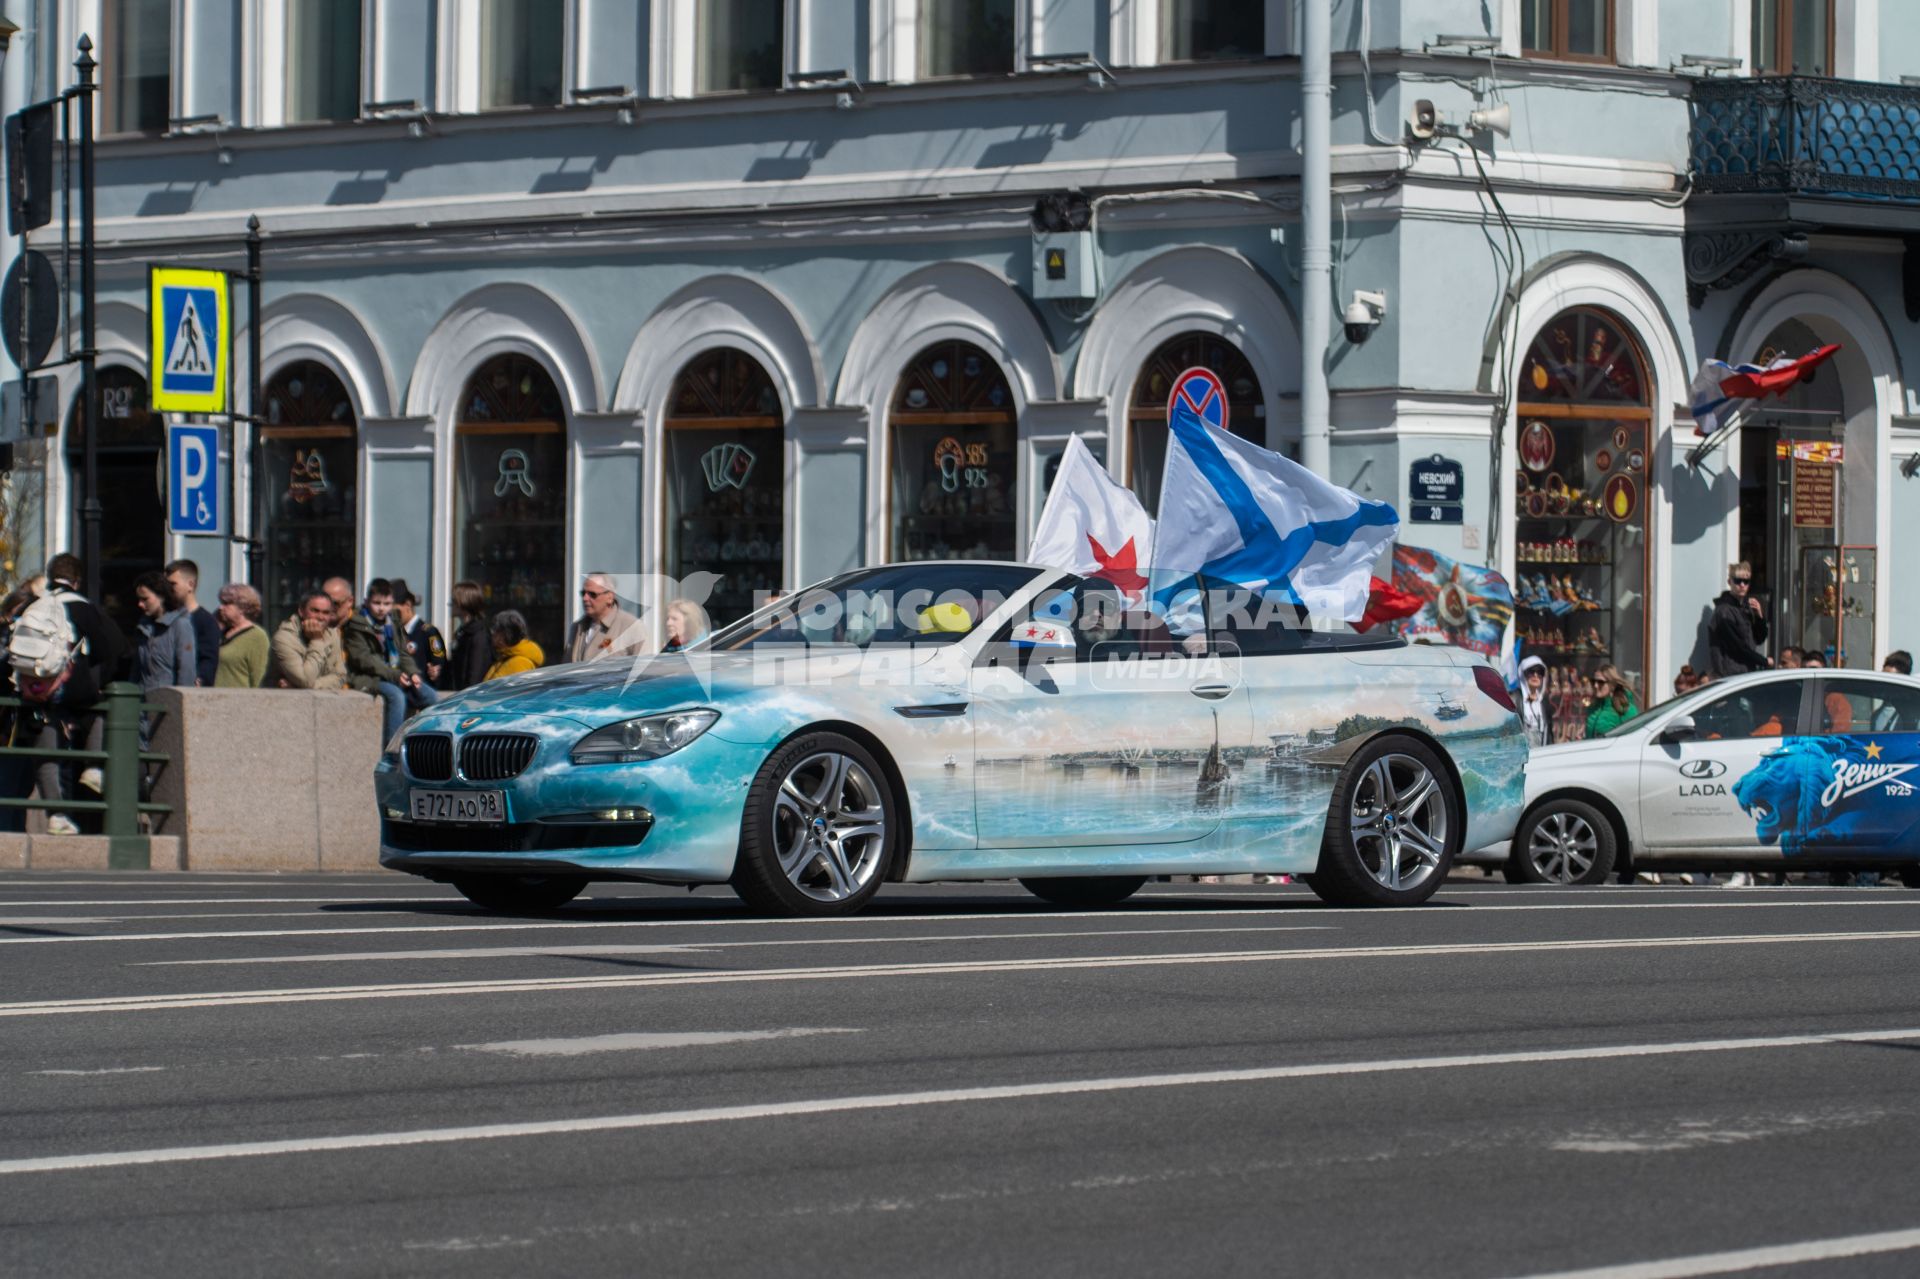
472	806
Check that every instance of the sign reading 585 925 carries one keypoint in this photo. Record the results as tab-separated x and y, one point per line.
188	364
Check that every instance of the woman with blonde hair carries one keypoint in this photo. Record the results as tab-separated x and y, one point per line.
1613	702
686	625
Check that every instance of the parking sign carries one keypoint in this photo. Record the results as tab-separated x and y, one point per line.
187	362
193	478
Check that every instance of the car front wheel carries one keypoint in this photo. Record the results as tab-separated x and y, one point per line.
819	831
1393	828
1564	841
520	893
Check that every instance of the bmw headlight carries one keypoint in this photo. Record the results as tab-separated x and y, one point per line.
647	738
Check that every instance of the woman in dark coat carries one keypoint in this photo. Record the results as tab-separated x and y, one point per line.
472	647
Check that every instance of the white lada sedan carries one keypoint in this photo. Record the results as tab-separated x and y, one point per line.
1776	770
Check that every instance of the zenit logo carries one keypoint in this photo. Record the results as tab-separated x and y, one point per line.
1851	779
1700	770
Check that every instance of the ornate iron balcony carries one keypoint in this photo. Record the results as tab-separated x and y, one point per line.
1807	135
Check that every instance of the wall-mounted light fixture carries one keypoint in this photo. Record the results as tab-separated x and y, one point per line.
1478	43
202	126
408	109
618	96
1099	75
847	91
1705	64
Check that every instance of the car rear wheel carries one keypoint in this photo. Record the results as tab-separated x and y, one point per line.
1085	892
819	831
1393	829
1564	841
520	893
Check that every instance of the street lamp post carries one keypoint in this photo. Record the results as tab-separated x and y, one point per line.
90	508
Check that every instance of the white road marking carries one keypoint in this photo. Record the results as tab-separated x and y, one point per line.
522	985
932	1097
750	921
35	921
645	1041
1728	1263
561	949
110	1070
252	901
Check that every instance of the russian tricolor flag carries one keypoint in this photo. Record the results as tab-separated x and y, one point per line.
1720	387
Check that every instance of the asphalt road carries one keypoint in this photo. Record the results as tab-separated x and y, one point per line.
362	1075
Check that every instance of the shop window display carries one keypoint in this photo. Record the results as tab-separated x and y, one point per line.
1581	492
510	493
1147	415
955	439
726	473
306	464
133	517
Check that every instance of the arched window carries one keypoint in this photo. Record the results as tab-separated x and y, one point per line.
133	521
510	495
1580	544
954	457
307	476
1147	412
726	479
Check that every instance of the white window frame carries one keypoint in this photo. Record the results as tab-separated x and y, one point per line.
1133	28
674	47
1636	32
263	75
457	69
893	56
89	16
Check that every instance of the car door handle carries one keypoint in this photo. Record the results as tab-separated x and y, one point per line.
1212	692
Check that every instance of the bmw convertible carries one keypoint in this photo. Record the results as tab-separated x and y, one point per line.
966	721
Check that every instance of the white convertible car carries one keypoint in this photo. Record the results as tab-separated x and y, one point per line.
1776	770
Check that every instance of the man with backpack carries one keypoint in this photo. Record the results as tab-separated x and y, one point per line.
63	652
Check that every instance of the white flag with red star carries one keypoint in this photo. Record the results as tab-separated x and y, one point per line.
1093	526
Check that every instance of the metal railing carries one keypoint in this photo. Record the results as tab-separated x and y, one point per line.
121	763
1806	134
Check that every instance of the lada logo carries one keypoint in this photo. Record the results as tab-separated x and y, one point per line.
1701	769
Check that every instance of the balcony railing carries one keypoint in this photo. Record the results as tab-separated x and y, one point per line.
1807	135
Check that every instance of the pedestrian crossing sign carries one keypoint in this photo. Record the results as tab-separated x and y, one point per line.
188	356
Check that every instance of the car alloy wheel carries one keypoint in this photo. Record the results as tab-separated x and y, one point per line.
829	826
1398	822
1563	847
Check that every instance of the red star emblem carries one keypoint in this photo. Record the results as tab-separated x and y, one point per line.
1120	567
1032	632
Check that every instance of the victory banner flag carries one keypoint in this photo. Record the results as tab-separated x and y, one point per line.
1464	605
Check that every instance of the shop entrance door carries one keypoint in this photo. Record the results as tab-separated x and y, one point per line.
133	516
1817	593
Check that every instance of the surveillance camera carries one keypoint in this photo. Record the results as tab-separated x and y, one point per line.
1363	315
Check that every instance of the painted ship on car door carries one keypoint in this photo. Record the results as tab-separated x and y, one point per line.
967	721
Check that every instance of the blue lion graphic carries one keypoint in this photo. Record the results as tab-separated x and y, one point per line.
1783	795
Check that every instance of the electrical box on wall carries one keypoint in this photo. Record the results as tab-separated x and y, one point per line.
1063	265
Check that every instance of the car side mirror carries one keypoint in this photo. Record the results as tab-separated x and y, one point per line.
1679	729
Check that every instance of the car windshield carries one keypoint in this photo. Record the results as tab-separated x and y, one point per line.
1691	699
897	604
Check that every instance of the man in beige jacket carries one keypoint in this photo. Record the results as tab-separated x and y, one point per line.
306	648
606	630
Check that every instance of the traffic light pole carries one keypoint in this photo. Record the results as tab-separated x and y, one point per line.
90	506
256	550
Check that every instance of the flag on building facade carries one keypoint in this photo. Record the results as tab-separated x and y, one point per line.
1721	388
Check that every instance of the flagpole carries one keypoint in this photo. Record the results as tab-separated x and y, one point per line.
1316	229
